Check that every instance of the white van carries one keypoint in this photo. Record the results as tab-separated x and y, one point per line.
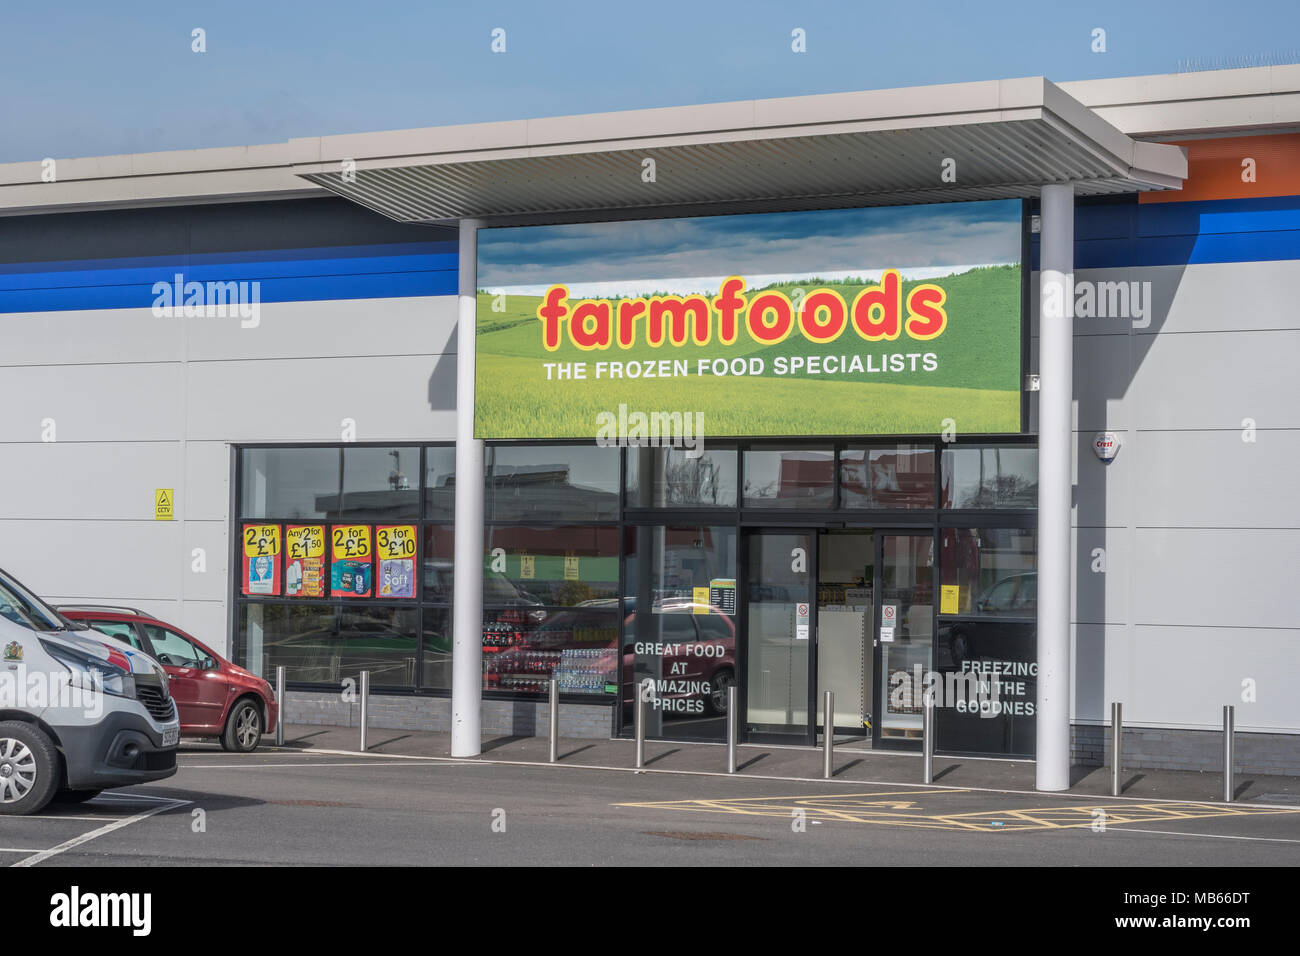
79	711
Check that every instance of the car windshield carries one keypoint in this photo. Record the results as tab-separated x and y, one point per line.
23	607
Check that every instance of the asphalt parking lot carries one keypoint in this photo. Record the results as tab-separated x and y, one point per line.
334	808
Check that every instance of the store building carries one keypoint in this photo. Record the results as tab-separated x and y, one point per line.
985	387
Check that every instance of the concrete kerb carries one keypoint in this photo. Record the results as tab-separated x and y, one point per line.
1066	794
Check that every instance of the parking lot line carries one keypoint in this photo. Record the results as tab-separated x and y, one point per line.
84	838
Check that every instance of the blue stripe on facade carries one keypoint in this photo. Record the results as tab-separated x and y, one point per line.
284	275
1115	236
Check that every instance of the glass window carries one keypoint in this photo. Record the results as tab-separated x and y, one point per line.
524	650
549	566
436	671
992	476
122	630
319	643
989	571
669	478
899	476
551	483
382	482
439	562
172	649
680	630
440	482
289	482
789	478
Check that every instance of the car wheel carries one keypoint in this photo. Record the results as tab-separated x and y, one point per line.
243	728
76	796
29	768
722	680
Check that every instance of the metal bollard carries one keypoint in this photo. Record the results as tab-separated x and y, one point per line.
828	735
1116	745
279	706
555	720
927	738
1229	722
639	719
733	728
365	706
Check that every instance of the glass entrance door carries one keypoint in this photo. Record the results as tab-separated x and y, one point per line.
779	573
904	633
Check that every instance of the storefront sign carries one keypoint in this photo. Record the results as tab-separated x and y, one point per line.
304	560
859	321
261	559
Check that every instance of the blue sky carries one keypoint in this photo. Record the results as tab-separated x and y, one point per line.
695	255
94	78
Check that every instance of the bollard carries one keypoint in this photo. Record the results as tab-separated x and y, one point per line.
828	735
279	705
1229	721
638	712
927	737
365	706
555	720
733	728
1116	745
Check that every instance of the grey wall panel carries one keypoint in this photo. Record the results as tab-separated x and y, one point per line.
1102	382
1216	379
1227	296
206	495
1183	676
305	400
339	327
94	336
1091	690
69	480
213	538
1215	479
1102	596
1217	578
127	561
95	403
205	620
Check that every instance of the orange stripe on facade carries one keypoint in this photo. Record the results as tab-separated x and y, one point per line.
1218	169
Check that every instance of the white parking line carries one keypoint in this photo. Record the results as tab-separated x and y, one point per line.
314	764
1120	828
77	841
9	849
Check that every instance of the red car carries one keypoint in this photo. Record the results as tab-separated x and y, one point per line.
215	697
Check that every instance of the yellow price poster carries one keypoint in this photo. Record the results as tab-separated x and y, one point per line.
950	599
261	540
395	541
571	564
350	541
527	567
700	601
304	541
261	559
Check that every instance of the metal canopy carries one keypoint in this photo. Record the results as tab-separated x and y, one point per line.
1007	139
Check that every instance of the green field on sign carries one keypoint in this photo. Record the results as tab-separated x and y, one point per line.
976	385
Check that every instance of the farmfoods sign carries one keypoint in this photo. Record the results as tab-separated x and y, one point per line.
839	322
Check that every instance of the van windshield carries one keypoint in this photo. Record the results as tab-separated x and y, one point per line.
23	607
